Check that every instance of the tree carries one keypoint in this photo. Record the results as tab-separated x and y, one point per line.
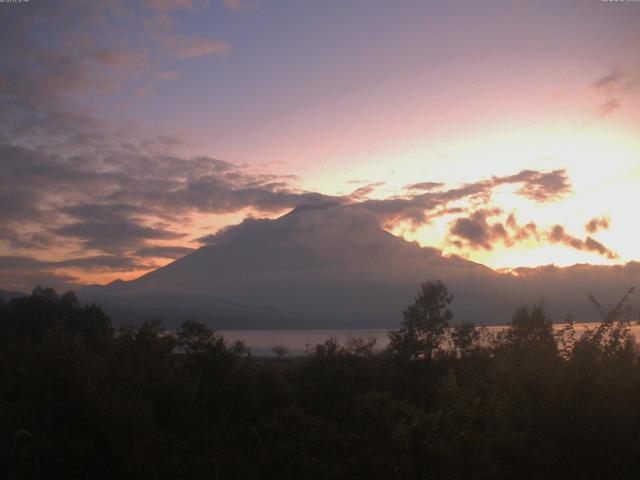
531	332
425	322
196	338
465	337
612	336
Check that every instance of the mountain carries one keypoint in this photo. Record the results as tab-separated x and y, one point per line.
331	266
8	295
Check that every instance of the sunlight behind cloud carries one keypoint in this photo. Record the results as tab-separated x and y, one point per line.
602	166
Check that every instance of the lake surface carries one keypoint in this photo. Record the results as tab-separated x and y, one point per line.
297	342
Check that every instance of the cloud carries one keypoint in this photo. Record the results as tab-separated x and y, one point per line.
209	239
74	182
66	57
96	262
426	186
239	6
114	236
596	224
477	232
615	85
614	78
109	198
326	235
558	235
110	192
24	273
418	208
609	107
194	47
118	58
101	263
167	75
363	192
167	5
94	48
538	186
163	251
161	28
25	279
116	200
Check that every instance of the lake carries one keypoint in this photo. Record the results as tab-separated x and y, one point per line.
296	342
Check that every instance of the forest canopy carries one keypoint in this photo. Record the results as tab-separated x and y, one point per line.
80	399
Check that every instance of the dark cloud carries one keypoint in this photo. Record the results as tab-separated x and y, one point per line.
538	186
425	186
417	208
209	239
614	86
477	232
165	251
24	273
596	224
102	263
25	279
363	192
114	236
108	199
558	235
614	78
95	263
521	233
471	230
113	210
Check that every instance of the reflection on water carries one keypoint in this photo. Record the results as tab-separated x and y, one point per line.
296	342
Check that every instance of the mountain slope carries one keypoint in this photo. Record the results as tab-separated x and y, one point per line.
314	267
329	266
8	295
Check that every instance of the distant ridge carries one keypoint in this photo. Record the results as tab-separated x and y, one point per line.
8	295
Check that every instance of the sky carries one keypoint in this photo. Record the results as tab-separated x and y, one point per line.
504	132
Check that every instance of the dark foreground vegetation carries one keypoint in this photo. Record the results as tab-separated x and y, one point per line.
80	400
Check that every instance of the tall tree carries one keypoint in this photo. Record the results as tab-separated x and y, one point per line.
425	322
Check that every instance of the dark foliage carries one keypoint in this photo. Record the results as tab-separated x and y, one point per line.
80	400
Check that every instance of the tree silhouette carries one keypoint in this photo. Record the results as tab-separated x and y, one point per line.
151	403
531	329
196	338
464	338
425	322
